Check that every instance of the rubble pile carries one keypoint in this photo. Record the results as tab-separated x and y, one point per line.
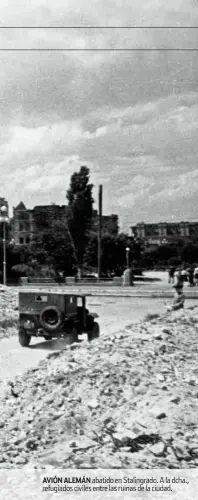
8	311
128	400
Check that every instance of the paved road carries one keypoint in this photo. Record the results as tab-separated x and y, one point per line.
114	314
154	284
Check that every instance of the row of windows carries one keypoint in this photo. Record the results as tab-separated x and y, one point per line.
162	232
23	241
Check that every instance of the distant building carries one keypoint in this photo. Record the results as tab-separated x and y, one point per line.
44	215
26	223
165	232
22	226
110	223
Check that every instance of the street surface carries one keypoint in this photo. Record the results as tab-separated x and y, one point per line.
114	314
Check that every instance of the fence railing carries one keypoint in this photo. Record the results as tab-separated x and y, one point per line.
69	281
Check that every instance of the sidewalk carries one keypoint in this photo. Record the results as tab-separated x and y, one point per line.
134	291
158	288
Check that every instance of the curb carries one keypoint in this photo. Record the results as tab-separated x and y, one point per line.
113	293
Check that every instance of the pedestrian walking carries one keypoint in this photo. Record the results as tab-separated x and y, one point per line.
177	275
191	276
171	273
179	297
184	274
178	300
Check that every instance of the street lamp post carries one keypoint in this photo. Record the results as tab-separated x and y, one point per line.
127	256
4	218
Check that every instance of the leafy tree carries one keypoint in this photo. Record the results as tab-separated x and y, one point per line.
109	253
159	256
91	252
174	261
164	252
22	270
19	254
54	248
189	253
16	257
80	203
113	251
51	252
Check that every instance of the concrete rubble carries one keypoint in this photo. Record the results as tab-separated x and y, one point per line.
128	400
8	311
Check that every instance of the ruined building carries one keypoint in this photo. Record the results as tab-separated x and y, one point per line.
26	223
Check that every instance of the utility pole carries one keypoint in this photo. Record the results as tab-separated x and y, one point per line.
4	219
4	254
99	229
127	257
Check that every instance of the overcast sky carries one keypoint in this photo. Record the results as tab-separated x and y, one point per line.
130	116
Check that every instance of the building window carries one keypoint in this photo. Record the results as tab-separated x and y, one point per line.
139	233
27	240
21	227
21	241
142	229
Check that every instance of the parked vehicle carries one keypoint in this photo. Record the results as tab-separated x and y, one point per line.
54	315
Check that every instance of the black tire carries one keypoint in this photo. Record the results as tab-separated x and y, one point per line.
51	318
94	333
90	322
24	338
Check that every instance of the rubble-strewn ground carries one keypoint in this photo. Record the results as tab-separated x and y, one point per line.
129	400
8	311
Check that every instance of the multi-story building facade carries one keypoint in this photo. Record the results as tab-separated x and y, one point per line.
110	223
45	215
22	225
27	223
165	232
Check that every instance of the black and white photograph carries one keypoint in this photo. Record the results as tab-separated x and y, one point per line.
98	249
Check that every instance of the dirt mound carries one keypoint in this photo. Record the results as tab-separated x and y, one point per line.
124	401
8	311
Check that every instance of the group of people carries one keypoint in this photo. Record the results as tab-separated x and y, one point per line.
189	275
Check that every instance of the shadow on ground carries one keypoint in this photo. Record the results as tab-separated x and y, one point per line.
53	345
146	279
